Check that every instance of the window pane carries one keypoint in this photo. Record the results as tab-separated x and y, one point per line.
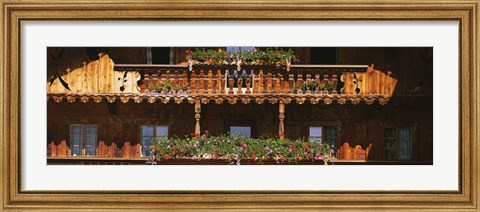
76	140
315	133
390	136
330	135
91	140
405	143
147	130
146	143
240	130
161	131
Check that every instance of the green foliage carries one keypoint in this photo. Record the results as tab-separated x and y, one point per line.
235	148
272	56
150	86
158	87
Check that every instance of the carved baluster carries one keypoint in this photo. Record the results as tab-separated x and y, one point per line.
193	82
278	84
300	82
269	83
286	87
261	85
210	81
248	82
185	77
230	83
239	85
256	84
334	82
201	82
146	80
291	81
221	83
325	84
214	84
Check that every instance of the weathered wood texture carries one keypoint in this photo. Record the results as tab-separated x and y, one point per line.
96	76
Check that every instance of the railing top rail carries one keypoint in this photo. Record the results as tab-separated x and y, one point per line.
154	67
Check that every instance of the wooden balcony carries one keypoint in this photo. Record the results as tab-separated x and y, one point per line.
103	80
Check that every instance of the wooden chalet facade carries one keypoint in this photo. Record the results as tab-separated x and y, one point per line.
108	113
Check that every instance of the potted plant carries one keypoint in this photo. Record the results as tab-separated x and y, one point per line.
295	87
150	87
175	88
321	87
158	87
312	85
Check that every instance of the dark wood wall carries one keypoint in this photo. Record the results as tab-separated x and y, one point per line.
357	124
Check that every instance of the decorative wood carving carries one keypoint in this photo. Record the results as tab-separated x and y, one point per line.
239	85
370	82
151	100
138	99
71	99
269	84
198	110
84	99
281	116
111	99
124	99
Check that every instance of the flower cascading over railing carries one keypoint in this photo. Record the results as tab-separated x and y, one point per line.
275	56
236	148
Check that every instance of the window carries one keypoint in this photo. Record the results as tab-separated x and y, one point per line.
148	132
398	144
83	137
239	48
326	134
241	130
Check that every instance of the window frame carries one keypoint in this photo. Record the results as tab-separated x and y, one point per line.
250	128
154	126
397	143
83	139
323	132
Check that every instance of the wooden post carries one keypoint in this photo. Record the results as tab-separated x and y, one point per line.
281	109
198	109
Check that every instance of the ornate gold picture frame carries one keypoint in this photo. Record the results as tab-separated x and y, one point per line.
14	13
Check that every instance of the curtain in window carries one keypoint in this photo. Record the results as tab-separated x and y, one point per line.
147	136
405	143
90	140
330	135
76	140
390	151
